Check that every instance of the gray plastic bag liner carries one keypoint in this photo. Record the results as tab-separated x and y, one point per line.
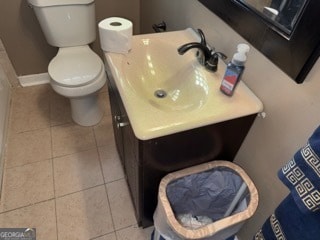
218	190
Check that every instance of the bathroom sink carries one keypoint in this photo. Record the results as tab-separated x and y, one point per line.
164	92
161	77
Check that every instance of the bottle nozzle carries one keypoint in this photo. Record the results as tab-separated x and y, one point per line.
243	48
240	57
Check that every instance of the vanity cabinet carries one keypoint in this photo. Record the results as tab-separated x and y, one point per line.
146	162
126	143
118	113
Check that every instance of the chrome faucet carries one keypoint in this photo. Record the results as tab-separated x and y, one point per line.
206	55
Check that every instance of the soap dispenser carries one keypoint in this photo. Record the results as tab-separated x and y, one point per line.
234	70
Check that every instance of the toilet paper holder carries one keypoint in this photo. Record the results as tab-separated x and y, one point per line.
160	27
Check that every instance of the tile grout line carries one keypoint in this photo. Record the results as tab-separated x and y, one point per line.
29	205
105	185
52	163
78	191
72	153
99	156
106	234
25	164
31	130
113	225
126	227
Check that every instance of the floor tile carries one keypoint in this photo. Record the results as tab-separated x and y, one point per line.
120	204
110	236
27	185
40	216
104	88
77	172
134	232
28	147
81	201
104	132
84	215
71	138
104	101
30	108
111	164
60	111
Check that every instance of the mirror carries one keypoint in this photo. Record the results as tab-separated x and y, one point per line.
285	31
283	14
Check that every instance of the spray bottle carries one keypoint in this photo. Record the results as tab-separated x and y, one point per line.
234	70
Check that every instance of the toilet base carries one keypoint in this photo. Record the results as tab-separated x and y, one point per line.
86	111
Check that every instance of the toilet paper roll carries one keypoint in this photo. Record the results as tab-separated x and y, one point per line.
115	35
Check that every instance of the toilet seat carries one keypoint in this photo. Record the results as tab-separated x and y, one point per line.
75	66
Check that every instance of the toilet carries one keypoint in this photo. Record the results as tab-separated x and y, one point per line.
76	72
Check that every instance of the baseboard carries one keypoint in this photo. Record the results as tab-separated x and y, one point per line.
34	79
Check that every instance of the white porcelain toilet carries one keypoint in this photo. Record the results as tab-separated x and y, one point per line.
76	72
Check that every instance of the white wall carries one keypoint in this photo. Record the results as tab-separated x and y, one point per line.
292	110
5	93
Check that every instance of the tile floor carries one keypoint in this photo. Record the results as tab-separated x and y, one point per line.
63	179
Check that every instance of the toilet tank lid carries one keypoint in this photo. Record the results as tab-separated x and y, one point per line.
45	3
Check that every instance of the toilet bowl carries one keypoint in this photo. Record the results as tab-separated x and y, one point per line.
78	73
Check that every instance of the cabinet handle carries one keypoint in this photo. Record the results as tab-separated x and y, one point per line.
117	118
122	124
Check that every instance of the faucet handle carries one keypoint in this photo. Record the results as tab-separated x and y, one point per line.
212	63
221	55
202	37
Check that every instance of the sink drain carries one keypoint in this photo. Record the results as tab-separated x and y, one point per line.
160	93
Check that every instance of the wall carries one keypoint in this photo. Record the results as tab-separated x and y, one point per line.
6	74
292	110
25	42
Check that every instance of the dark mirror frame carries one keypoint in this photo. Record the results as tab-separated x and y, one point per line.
295	55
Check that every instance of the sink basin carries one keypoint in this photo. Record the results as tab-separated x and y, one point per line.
170	87
164	92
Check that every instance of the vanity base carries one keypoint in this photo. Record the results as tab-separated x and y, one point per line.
146	162
160	156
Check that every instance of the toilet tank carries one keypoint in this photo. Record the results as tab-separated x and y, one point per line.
66	23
